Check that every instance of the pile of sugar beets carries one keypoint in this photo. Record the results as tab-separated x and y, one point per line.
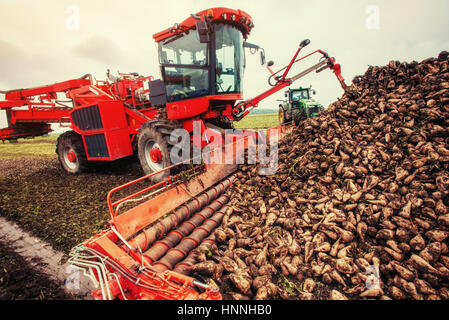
358	208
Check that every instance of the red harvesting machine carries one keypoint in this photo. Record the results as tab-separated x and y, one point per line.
148	249
202	61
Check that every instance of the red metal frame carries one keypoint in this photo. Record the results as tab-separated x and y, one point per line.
41	105
11	133
157	187
237	17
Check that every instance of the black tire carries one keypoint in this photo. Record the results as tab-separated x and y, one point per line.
298	116
282	116
71	141
155	134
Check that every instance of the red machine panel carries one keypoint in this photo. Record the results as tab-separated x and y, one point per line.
104	129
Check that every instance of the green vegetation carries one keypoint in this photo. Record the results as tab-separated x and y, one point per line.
258	121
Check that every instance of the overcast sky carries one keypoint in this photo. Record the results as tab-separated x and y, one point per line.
43	42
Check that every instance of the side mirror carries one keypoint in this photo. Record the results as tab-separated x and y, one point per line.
203	31
250	45
262	57
304	43
270	63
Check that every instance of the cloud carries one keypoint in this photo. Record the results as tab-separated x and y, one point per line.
21	68
12	62
100	49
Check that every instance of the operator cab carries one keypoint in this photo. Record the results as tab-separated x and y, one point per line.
204	55
187	69
300	94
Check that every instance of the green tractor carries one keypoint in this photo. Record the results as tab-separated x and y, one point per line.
299	106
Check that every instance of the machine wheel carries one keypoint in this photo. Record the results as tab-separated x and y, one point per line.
282	118
153	149
298	116
71	153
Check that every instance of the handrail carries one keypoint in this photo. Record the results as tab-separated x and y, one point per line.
164	183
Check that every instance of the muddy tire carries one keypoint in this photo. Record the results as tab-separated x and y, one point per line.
282	116
71	153
153	149
298	116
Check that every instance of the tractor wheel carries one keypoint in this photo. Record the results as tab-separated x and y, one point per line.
153	149
298	116
282	118
71	153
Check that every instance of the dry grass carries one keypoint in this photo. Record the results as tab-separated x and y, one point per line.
41	147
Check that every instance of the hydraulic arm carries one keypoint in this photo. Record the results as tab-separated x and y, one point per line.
281	81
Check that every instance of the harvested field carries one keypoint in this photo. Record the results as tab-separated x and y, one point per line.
58	207
16	167
20	281
358	208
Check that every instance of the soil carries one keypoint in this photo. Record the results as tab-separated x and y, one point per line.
61	208
10	168
20	281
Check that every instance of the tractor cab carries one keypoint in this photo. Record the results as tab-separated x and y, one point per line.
299	105
300	94
203	57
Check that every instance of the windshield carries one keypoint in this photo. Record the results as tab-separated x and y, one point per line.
188	69
184	67
186	50
300	95
229	53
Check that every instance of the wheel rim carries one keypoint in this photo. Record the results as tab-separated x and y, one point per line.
153	156
70	158
156	155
